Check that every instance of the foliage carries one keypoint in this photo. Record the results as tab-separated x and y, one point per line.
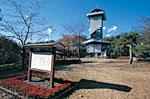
110	38
12	75
9	51
134	38
142	50
75	32
71	45
145	29
8	67
119	42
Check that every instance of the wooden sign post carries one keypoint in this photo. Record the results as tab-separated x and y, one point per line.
52	68
42	61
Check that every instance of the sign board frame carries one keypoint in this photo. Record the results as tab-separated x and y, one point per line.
51	71
42	60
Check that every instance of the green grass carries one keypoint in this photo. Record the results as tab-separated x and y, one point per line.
12	67
13	74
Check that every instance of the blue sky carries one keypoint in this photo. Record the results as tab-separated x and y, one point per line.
122	15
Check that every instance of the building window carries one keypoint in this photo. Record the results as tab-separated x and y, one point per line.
95	18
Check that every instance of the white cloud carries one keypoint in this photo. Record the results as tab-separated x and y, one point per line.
104	28
46	39
112	29
16	40
49	30
108	35
89	29
27	16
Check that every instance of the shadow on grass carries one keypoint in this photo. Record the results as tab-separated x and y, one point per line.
64	64
86	62
144	59
90	84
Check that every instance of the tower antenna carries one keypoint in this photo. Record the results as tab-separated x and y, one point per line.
97	6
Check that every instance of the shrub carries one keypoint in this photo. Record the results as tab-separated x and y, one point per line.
142	50
9	51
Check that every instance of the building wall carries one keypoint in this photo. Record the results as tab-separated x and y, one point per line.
97	35
95	23
93	48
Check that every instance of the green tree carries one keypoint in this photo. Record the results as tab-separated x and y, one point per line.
145	29
110	38
9	51
142	50
120	42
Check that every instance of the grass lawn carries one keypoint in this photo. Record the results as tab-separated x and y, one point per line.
11	71
107	79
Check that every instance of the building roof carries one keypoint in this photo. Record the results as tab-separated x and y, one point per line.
93	41
45	45
97	12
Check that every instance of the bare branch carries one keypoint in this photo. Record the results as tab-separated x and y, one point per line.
21	20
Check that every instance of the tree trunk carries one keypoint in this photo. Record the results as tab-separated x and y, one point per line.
4	57
79	48
23	58
79	52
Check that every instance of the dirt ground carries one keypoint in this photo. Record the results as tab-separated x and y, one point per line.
108	79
